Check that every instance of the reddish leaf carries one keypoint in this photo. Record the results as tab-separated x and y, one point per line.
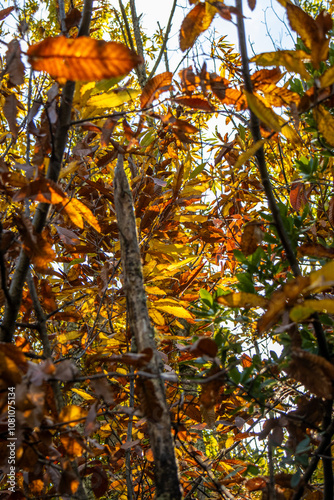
195	103
296	195
155	87
5	12
82	58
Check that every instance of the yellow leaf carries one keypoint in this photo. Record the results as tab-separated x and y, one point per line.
72	415
327	78
82	58
292	60
178	311
68	336
248	154
323	278
181	263
325	122
229	442
83	394
242	299
266	115
154	290
157	317
78	212
112	99
193	218
270	118
321	305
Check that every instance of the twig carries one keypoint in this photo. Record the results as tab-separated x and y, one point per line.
139	43
165	40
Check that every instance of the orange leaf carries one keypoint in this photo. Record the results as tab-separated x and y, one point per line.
195	103
196	22
155	87
296	195
82	58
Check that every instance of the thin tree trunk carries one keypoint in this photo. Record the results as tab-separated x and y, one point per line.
151	390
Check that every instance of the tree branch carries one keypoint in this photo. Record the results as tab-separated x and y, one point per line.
256	133
165	40
139	43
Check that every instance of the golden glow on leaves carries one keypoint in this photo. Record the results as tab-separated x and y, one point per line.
113	98
196	22
82	58
292	60
242	299
270	118
327	78
154	87
72	415
249	153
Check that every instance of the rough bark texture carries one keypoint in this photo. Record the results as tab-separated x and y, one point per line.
152	393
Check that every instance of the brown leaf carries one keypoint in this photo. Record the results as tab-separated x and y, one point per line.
5	12
107	129
252	236
313	371
195	103
251	4
312	32
82	58
73	18
296	195
10	112
154	87
204	346
14	65
36	246
99	481
103	389
316	250
256	483
196	22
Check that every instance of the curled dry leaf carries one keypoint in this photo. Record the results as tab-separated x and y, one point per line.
82	58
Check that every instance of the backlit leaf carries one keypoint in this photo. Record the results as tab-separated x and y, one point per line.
251	4
196	22
72	415
82	58
249	153
112	99
155	87
270	118
195	103
292	60
327	78
242	299
325	122
178	311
